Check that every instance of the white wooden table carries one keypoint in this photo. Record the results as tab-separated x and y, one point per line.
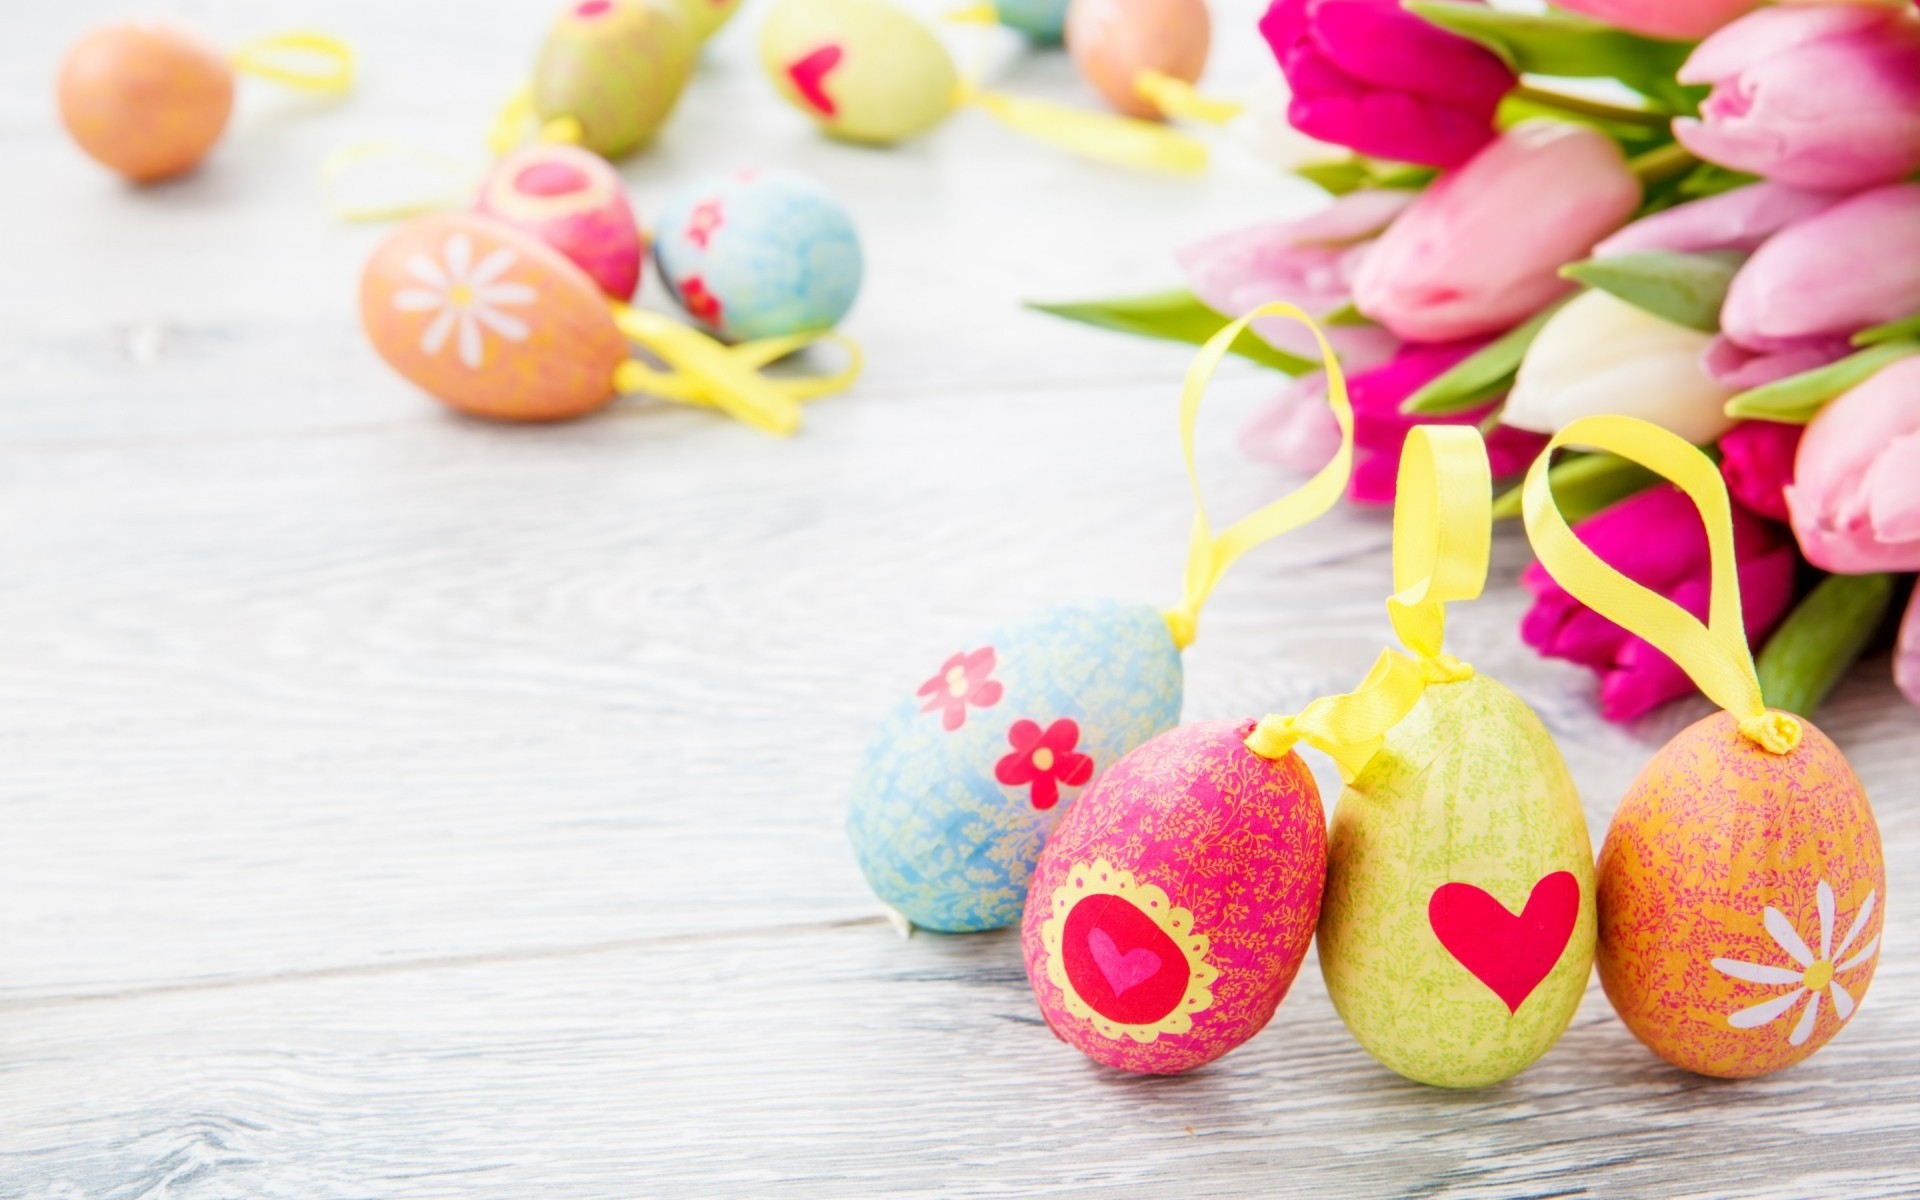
393	805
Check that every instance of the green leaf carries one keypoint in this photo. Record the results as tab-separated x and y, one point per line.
1346	316
1568	46
1821	639
1795	399
1481	376
1905	327
1583	485
1175	316
1687	289
1345	175
1710	179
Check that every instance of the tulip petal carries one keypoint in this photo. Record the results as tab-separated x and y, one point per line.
1737	220
1906	657
1774	31
1891	489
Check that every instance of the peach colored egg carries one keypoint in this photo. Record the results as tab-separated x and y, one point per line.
1741	895
1113	41
146	100
617	67
490	320
572	200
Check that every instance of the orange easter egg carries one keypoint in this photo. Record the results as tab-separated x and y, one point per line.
1113	41
490	320
146	100
1741	895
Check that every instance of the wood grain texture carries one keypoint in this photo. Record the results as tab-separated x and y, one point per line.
393	805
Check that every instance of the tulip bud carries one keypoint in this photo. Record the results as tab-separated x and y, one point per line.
1855	495
1680	22
1830	275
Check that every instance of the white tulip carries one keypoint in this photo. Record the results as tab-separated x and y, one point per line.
1600	354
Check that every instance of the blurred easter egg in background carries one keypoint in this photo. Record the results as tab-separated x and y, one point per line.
490	320
1741	899
1113	41
759	254
1174	904
574	201
148	101
864	70
968	773
1457	932
617	67
706	17
1044	21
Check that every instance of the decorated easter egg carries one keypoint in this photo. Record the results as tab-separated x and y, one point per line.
572	200
1174	904
864	70
1741	900
146	100
617	67
967	775
759	254
1041	20
707	16
1457	932
489	320
1113	41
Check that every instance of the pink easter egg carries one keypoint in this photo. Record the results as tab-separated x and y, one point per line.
574	201
1175	901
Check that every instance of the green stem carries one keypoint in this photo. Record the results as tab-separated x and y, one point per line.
1820	640
1659	165
1583	107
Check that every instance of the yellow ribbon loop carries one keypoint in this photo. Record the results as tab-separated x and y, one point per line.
1209	556
264	58
704	372
1715	655
510	124
682	388
1442	538
346	160
974	14
1179	99
1118	141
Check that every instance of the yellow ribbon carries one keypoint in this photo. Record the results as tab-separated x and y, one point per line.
263	59
704	372
1178	98
981	13
1715	655
344	160
1442	539
510	124
1209	555
1103	137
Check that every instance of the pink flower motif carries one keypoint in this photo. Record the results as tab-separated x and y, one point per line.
962	680
1045	759
705	220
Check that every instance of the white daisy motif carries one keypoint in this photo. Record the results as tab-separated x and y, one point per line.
466	296
1810	976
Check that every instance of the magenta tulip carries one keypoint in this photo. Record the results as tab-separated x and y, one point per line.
1656	539
1756	460
1831	275
1369	75
1675	20
1481	249
1737	220
1310	262
1855	495
1824	97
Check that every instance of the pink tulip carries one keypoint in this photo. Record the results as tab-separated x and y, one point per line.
1906	656
1674	20
1831	275
1855	495
1737	220
1656	539
1732	365
1309	261
1480	250
1297	429
1825	97
1370	75
1756	460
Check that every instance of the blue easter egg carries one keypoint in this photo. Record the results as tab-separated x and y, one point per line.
969	774
759	254
1041	20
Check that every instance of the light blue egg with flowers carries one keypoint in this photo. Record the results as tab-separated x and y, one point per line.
759	254
968	775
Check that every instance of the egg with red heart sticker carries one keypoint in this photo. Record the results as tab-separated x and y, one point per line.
490	320
863	70
1457	932
1173	906
575	202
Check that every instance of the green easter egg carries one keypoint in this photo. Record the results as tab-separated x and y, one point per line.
1457	930
864	70
617	67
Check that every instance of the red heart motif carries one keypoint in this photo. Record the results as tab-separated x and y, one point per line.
809	75
1510	954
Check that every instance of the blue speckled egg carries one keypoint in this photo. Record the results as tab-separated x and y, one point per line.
1041	20
759	254
969	774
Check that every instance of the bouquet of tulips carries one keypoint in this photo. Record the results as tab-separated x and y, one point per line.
1702	213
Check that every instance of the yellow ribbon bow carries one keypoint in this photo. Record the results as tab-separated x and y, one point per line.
1715	655
704	372
1442	539
1209	555
509	126
265	58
